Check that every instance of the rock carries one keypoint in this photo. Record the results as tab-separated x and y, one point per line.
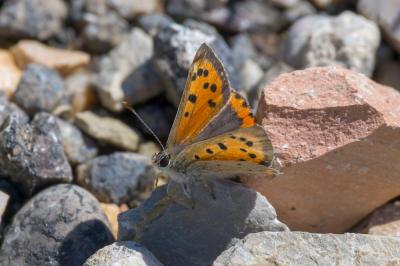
300	9
386	15
299	248
250	74
38	19
383	221
335	135
4	198
10	202
78	147
10	74
133	8
123	253
102	33
152	23
158	116
242	49
142	85
79	91
175	234
347	40
327	4
64	61
62	225
41	89
149	148
175	46
6	108
108	130
285	3
126	58
116	178
33	155
112	211
387	73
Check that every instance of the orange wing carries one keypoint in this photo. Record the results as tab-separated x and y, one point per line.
207	91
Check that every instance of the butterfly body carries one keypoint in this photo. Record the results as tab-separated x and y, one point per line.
214	133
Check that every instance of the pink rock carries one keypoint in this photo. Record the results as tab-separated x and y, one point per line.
336	136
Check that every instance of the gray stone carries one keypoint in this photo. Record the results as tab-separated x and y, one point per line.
101	33
116	178
108	130
38	19
175	46
300	9
78	147
6	108
387	73
142	84
114	68
386	14
33	155
347	40
250	74
242	49
10	202
152	23
62	225
133	8
124	253
179	235
41	89
299	248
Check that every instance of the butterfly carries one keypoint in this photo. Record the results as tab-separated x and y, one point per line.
214	134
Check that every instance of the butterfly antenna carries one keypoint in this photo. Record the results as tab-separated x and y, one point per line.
126	105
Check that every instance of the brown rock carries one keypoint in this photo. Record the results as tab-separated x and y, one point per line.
65	61
112	211
10	74
383	221
336	138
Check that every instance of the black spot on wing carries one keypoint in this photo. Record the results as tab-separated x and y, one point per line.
222	146
192	98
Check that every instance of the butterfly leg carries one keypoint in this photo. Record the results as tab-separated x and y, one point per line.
181	193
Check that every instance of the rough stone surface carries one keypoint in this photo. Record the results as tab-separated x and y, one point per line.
152	23
7	108
181	235
115	178
33	155
41	89
386	14
298	248
335	132
108	130
124	253
78	147
101	33
65	61
79	91
62	225
175	46
383	221
347	40
38	19
10	74
113	69
132	8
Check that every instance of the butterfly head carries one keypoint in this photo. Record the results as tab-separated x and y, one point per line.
161	159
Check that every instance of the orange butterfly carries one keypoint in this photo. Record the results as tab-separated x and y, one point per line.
214	133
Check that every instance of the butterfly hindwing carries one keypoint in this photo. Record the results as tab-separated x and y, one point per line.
245	149
207	92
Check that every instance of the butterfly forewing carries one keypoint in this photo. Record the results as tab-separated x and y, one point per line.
207	91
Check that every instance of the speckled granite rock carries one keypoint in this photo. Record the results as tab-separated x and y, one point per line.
298	248
7	107
123	253
62	225
179	235
33	155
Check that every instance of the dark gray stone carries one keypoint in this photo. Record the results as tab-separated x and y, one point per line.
62	225
101	33
39	19
10	202
123	253
41	89
78	147
33	155
7	107
300	248
179	235
298	10
116	178
152	23
174	49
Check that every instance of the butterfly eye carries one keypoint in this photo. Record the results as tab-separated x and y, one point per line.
164	161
